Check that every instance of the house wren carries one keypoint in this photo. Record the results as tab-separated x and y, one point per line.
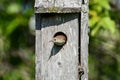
59	40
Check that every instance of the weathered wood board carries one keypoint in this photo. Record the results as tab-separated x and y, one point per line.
57	6
84	39
63	64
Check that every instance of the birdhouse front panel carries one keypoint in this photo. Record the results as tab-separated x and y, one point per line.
57	60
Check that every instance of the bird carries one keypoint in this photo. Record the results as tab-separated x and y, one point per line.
59	40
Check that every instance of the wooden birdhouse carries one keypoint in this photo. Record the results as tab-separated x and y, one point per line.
56	18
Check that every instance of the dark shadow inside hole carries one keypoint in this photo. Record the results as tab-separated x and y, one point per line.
55	49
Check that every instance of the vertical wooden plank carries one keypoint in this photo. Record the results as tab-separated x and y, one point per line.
63	64
38	47
84	39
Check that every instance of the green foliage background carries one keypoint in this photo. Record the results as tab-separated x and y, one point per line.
104	47
17	57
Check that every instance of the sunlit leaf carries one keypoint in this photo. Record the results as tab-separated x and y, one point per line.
93	21
97	8
93	13
104	4
107	23
13	8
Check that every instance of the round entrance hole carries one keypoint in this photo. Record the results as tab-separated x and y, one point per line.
60	38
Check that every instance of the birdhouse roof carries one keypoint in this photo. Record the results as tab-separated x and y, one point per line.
57	6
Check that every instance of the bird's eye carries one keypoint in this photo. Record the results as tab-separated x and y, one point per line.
54	39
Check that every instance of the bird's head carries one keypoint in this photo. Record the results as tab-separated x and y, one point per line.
58	41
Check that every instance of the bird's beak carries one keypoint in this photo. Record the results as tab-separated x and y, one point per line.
51	41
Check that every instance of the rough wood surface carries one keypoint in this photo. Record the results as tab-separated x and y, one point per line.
84	39
63	64
57	6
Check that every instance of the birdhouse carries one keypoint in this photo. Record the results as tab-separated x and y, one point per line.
61	39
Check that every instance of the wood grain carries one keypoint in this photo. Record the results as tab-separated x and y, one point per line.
84	40
63	65
57	6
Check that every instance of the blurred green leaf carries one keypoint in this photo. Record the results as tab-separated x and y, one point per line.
107	23
93	20
104	4
92	68
104	41
16	41
13	8
95	30
13	75
17	22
